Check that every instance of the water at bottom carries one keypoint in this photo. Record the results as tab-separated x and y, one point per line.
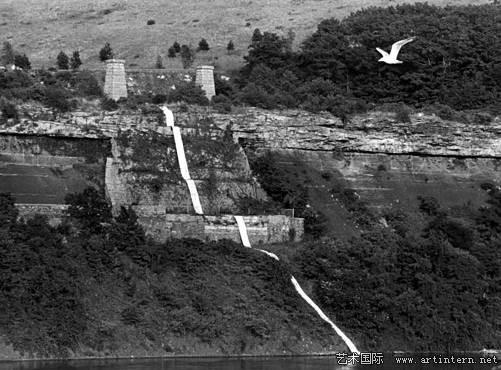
389	362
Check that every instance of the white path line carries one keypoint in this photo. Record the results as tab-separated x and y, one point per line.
243	231
183	165
324	317
245	241
181	156
195	200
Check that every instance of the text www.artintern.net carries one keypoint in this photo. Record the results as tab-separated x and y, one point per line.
373	358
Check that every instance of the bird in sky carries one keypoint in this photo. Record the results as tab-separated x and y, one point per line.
395	48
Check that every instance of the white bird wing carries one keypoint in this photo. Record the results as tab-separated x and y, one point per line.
382	52
395	48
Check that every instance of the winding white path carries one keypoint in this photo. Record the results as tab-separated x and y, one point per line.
181	158
245	241
243	231
324	317
169	118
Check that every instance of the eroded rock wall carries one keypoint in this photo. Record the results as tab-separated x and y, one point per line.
384	160
42	169
133	159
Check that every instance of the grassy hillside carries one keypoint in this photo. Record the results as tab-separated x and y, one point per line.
42	28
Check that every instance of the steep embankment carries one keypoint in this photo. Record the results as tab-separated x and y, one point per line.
108	293
419	267
419	274
101	290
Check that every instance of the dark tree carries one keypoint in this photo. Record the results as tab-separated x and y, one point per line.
75	61
230	47
188	92
171	53
271	50
176	46
63	61
203	45
22	61
89	208
439	66
8	210
128	236
87	84
7	53
106	52
57	98
8	109
257	36
187	56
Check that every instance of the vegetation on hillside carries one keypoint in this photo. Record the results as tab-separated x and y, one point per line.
424	279
451	66
97	286
288	188
421	280
49	25
452	62
66	90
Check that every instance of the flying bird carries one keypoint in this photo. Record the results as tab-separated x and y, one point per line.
395	48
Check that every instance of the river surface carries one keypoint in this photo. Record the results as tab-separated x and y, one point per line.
388	362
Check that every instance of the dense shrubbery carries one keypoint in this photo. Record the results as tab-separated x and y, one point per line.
419	280
189	92
221	103
57	98
86	84
41	307
109	104
338	63
288	189
43	271
8	110
432	286
220	293
55	89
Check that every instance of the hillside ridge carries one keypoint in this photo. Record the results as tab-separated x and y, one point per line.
44	28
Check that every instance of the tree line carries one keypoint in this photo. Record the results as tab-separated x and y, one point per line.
453	61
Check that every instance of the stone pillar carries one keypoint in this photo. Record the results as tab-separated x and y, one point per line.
205	78
114	83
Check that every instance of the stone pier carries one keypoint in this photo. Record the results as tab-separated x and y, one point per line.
114	84
205	78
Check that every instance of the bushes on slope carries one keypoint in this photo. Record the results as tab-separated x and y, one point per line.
429	288
61	287
440	66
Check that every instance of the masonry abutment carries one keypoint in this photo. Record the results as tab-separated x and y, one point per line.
205	78
115	86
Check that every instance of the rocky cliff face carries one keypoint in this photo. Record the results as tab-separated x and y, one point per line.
385	161
132	158
141	161
42	169
374	132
